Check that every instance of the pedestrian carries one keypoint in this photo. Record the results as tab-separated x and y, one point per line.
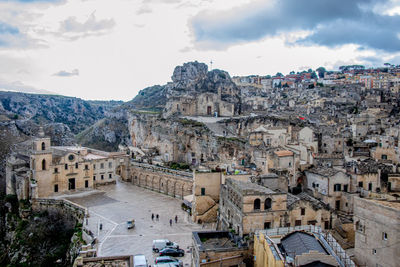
152	216
170	222
176	218
157	217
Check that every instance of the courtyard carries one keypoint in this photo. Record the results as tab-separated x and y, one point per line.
115	204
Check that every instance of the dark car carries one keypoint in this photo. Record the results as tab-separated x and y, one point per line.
168	259
176	252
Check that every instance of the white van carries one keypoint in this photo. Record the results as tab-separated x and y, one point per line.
159	244
139	260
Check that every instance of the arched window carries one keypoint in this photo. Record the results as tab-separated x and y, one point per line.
43	164
267	204
43	146
257	204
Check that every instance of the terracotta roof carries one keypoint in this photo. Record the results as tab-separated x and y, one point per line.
283	153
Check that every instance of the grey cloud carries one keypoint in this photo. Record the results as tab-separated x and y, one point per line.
72	29
18	86
63	73
144	10
331	23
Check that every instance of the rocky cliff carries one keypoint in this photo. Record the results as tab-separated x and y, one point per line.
76	113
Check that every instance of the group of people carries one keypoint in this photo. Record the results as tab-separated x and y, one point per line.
158	218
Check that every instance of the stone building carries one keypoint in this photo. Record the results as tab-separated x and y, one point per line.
377	232
55	170
328	184
246	207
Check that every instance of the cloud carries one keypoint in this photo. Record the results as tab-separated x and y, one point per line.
12	38
72	29
144	10
330	23
18	86
63	73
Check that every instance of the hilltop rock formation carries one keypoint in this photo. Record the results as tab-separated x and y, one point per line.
193	91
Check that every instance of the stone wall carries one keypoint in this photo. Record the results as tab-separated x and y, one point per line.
64	206
167	181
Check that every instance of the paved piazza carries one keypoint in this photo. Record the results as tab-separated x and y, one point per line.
124	201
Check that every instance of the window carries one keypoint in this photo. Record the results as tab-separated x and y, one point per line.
55	188
101	165
102	177
86	183
66	166
94	166
267	225
345	187
303	211
257	204
110	176
94	177
290	164
203	191
43	164
267	204
360	184
337	187
297	223
55	170
43	146
384	236
76	165
370	186
374	251
110	165
86	167
313	185
384	156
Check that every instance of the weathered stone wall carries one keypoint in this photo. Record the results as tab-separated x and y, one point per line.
373	219
170	182
62	205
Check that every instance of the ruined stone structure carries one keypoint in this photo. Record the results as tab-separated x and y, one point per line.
170	182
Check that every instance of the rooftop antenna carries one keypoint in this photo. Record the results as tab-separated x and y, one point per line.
211	62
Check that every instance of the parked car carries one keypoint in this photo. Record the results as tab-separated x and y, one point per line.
167	259
176	252
139	260
167	264
160	244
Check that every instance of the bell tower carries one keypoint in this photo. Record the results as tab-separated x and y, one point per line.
41	159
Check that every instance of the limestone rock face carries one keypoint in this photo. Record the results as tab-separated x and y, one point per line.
76	113
193	87
188	73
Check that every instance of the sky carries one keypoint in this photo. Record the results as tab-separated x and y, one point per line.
103	50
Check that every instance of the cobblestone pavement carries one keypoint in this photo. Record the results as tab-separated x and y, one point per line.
122	202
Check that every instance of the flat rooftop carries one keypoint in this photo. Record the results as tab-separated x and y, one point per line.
217	240
388	203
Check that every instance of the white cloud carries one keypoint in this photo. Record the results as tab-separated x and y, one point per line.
126	52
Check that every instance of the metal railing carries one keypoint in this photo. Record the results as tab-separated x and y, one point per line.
327	240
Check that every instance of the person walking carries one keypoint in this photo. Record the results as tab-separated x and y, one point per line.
176	218
170	222
157	217
152	216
